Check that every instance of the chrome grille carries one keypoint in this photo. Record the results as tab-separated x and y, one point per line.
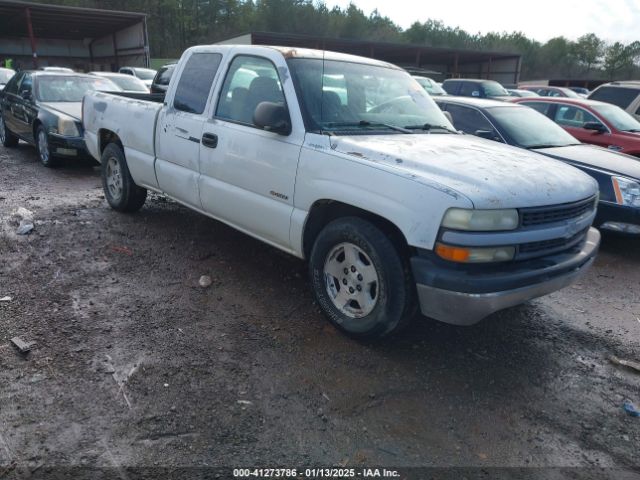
556	213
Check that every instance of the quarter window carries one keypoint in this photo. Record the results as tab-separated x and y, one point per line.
195	82
249	81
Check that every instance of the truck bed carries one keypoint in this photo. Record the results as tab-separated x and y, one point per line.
132	117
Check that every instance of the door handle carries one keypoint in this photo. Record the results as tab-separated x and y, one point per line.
210	140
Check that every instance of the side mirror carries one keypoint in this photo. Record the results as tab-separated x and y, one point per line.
475	93
449	117
26	94
488	134
272	117
597	126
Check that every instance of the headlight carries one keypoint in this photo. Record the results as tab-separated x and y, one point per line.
627	191
66	127
481	220
475	255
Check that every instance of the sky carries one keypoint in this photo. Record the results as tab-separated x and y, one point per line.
611	20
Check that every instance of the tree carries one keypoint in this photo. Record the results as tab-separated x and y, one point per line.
589	50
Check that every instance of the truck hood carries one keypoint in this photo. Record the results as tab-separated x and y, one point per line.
72	109
600	158
490	174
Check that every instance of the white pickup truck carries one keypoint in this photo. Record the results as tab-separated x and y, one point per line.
346	162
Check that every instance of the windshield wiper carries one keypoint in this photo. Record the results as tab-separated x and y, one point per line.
632	130
534	147
366	123
428	127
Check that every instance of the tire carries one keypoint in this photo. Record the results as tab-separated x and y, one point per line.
120	190
42	147
7	138
378	297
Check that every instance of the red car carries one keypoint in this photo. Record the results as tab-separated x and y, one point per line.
591	122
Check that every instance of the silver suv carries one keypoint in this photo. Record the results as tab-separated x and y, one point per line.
625	94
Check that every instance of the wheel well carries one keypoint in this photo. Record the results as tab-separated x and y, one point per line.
105	137
324	211
36	124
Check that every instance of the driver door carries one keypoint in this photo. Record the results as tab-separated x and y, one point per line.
248	174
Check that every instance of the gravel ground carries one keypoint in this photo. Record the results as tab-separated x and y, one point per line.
136	365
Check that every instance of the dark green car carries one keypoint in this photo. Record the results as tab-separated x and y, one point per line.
44	109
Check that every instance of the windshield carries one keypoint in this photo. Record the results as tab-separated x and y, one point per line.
345	97
494	89
617	117
127	82
70	89
430	86
5	75
531	129
145	73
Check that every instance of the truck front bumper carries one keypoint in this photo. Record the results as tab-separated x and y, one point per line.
464	295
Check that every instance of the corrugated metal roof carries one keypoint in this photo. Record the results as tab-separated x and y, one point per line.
62	22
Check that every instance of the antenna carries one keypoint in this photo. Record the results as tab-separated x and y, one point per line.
322	93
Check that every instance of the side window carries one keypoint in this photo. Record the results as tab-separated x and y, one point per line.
249	81
573	116
620	96
541	107
12	86
451	87
26	84
196	81
469	120
470	89
164	75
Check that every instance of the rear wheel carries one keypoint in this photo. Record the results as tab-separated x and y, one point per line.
7	138
120	190
360	280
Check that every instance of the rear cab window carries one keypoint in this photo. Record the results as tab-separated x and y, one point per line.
196	81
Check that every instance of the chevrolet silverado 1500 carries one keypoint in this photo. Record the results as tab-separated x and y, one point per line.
346	162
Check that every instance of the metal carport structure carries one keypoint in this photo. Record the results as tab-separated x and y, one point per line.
437	62
35	35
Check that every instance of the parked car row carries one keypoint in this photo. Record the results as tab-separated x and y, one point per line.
618	175
43	108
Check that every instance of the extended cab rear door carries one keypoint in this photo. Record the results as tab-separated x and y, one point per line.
179	126
248	174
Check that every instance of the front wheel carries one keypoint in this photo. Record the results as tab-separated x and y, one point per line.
120	190
7	138
42	145
360	280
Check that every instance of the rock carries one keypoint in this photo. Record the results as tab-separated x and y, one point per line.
25	227
205	281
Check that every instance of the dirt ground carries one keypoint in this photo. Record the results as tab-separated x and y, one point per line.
136	365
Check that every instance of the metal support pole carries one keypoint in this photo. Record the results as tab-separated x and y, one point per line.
115	52
147	50
32	37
